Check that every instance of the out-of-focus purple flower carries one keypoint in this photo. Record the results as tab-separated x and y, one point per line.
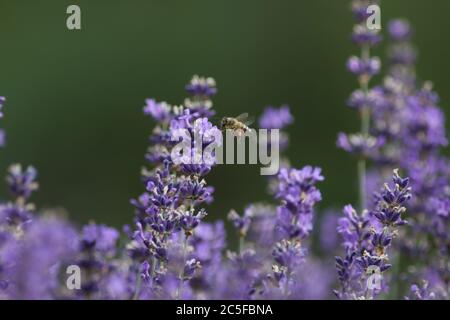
364	36
358	99
22	183
160	111
329	239
33	264
402	55
359	9
399	30
200	86
237	279
358	144
424	123
14	215
241	224
101	279
208	242
190	267
364	67
261	232
100	237
421	292
276	118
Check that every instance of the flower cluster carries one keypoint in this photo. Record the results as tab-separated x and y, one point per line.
367	238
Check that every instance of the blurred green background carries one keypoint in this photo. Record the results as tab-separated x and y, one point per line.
75	98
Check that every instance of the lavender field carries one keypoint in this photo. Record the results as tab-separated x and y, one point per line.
393	242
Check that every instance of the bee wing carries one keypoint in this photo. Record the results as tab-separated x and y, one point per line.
245	119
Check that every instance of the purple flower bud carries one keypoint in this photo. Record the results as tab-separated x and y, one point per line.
359	144
399	30
364	67
200	86
241	224
160	111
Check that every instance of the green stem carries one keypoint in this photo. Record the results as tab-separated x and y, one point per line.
365	130
395	282
241	244
181	275
362	183
138	286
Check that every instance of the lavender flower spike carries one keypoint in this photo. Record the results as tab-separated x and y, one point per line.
22	183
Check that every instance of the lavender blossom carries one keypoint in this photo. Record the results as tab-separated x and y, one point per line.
367	239
298	194
175	189
364	67
22	183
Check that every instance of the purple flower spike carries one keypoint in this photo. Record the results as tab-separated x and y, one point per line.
359	144
390	204
241	224
298	195
22	183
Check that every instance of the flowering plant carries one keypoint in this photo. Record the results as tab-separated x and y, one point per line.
398	232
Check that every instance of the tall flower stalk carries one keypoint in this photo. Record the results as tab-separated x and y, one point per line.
168	212
364	67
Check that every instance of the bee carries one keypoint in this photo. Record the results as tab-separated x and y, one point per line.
240	123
